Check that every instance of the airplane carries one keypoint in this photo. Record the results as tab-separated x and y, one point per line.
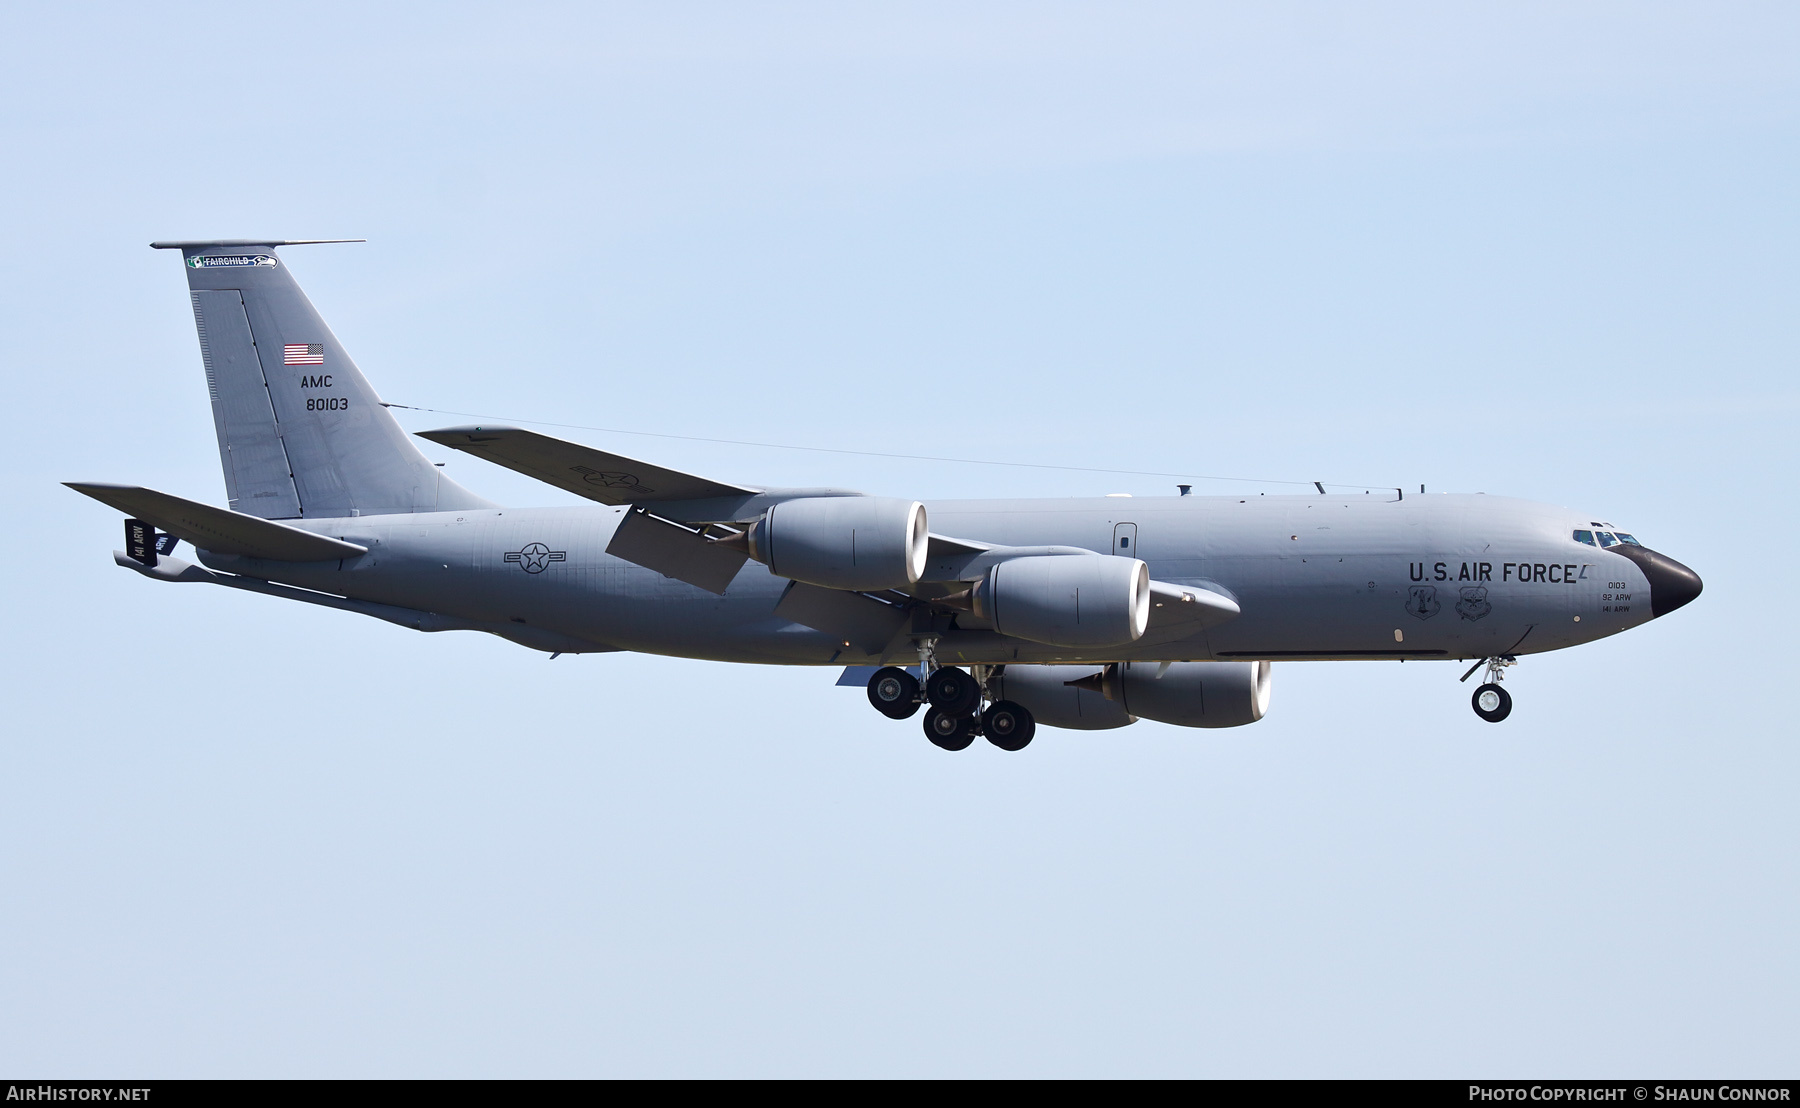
991	616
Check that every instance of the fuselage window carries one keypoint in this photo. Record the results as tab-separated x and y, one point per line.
1585	536
1124	542
1624	538
1606	539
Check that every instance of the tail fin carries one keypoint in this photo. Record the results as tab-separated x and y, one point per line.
301	432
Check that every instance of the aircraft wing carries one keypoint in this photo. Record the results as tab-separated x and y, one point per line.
220	530
582	470
660	534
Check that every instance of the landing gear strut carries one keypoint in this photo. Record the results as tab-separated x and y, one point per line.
1490	701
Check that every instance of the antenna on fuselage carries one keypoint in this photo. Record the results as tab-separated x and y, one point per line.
1320	486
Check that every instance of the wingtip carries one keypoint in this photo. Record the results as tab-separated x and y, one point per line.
89	488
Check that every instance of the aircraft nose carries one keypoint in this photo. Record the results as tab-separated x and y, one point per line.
1671	583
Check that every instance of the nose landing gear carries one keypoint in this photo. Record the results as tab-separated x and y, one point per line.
1490	701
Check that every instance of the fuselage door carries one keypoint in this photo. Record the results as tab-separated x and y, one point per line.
1124	542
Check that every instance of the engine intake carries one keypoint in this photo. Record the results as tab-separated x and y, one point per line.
843	542
1066	600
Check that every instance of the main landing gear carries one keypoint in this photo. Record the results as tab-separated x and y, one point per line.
955	698
950	732
894	692
1008	725
1490	701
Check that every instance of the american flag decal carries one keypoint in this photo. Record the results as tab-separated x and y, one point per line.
303	353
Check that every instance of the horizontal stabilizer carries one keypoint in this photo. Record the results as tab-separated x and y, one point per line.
582	470
219	530
199	244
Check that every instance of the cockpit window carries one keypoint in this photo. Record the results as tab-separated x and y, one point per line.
1585	536
1623	537
1606	539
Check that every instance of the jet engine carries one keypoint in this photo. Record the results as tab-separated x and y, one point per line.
843	542
1188	694
1066	600
1046	693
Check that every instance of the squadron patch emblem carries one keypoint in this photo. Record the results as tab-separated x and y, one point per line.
1422	601
1474	603
230	261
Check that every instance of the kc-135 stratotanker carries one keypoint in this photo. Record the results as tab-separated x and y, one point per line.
991	615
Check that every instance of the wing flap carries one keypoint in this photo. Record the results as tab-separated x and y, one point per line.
861	621
675	551
582	470
220	530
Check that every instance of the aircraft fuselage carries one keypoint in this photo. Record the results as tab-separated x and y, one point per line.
1369	576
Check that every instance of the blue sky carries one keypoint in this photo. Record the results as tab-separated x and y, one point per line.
1539	250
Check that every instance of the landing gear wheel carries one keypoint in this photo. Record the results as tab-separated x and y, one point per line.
953	690
951	732
894	692
1492	703
1007	725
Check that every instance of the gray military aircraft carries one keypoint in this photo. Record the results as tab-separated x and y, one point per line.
1080	613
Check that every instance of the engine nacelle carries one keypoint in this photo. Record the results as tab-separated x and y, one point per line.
1066	600
1046	694
1190	694
843	542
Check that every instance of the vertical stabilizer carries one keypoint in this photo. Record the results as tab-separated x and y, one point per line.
301	432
